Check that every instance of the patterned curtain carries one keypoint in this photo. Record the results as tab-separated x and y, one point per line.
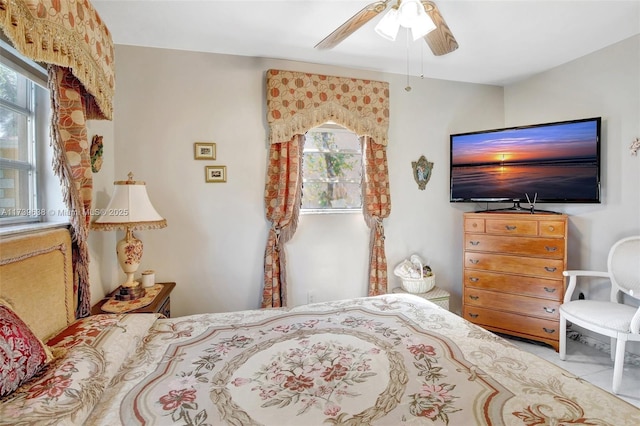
282	201
377	206
72	164
297	102
70	37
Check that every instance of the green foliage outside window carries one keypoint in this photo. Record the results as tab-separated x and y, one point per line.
332	170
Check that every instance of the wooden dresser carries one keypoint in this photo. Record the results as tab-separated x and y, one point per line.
513	265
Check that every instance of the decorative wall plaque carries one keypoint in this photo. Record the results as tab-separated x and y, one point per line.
422	171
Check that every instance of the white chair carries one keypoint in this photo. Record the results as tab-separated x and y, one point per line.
611	318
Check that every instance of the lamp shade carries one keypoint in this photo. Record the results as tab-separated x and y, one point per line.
130	207
389	25
421	24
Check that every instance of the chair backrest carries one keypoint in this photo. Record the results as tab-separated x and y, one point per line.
624	265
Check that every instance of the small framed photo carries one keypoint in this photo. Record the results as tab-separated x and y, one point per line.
204	151
215	173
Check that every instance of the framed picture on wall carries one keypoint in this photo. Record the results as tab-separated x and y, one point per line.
215	173
204	151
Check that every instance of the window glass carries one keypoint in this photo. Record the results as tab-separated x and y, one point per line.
332	170
13	86
13	134
18	123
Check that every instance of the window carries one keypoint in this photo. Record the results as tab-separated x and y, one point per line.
24	124
331	170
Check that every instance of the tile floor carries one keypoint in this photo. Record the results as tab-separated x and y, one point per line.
590	364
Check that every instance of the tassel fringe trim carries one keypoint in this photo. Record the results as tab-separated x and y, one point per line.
45	41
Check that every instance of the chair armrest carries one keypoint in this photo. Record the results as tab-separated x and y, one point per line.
635	322
573	275
580	273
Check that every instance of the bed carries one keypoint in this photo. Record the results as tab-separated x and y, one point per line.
387	360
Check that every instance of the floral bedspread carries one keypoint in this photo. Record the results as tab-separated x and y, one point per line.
386	360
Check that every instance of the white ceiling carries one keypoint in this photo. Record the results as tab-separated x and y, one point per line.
500	41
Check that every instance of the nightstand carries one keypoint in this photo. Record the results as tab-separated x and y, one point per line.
160	304
436	295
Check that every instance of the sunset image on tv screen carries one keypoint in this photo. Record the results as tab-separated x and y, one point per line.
557	162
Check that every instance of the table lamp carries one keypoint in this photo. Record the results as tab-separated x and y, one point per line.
129	209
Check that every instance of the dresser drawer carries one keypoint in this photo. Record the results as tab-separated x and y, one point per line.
524	305
509	323
552	228
552	248
511	227
532	266
515	284
474	224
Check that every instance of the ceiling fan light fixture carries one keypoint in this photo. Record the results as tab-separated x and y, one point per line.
421	24
441	41
408	11
389	25
409	14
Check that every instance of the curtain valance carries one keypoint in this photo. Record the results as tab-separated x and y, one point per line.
67	33
297	102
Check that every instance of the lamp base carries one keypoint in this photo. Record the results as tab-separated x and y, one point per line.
129	252
126	293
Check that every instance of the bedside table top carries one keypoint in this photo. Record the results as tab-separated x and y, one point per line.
435	293
154	306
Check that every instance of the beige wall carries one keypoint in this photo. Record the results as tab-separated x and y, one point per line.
103	267
214	244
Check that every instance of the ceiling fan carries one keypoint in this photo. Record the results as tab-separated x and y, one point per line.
440	40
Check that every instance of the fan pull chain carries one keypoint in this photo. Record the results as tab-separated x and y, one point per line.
408	87
422	60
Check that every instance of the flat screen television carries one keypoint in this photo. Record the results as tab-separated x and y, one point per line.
549	163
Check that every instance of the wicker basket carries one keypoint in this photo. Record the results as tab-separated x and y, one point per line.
419	285
416	285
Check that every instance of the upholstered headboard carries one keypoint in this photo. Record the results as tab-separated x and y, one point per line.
36	278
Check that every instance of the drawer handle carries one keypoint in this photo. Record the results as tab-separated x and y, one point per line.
551	228
474	243
474	297
550	268
551	249
474	261
550	290
549	330
474	315
474	279
510	227
549	310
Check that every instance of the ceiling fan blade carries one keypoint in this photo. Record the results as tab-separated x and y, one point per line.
441	40
367	13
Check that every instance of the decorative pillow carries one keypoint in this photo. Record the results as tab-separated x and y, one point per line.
22	354
89	355
64	393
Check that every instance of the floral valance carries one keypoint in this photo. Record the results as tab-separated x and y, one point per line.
67	33
297	102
